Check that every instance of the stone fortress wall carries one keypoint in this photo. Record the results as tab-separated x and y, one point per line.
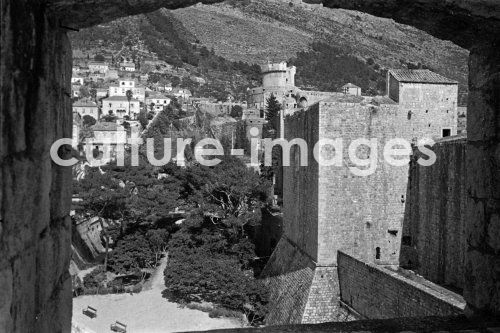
434	228
35	225
327	209
379	292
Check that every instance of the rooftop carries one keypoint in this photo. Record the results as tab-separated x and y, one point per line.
107	126
85	102
119	99
97	63
157	96
419	76
349	85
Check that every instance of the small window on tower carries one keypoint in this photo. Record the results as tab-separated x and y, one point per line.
446	132
377	253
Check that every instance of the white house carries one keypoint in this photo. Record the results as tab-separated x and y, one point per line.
77	80
181	93
101	92
120	107
86	107
158	102
138	93
112	74
127	66
97	66
126	84
351	89
109	139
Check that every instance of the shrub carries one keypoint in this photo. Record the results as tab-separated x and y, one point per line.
95	278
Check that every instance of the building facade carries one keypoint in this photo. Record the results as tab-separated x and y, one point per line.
97	67
157	102
121	107
86	107
123	86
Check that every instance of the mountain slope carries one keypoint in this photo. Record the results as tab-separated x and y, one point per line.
218	42
257	30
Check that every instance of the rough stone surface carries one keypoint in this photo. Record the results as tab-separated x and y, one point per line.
35	194
288	274
378	293
434	236
407	325
36	67
482	259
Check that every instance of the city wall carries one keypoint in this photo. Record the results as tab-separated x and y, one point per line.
378	292
434	229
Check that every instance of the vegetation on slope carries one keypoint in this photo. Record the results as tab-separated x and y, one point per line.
232	29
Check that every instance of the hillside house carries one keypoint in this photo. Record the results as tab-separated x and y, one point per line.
98	67
109	139
157	102
351	89
86	107
120	107
127	66
138	93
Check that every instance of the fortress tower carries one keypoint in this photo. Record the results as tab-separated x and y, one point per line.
277	79
278	75
327	208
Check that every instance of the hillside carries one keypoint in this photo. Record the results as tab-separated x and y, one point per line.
257	30
219	43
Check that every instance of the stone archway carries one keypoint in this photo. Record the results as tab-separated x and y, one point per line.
35	196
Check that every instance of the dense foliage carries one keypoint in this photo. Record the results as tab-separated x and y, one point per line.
212	255
328	68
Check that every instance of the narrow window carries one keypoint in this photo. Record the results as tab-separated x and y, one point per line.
377	253
393	232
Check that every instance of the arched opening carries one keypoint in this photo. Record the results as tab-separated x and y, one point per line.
303	102
38	122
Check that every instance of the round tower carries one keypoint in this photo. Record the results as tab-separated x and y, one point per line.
278	75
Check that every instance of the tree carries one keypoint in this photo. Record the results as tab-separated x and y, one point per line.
88	121
84	91
110	117
93	93
158	239
129	95
143	118
273	108
236	111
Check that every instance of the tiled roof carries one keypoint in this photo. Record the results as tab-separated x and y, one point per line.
159	96
107	126
119	99
85	102
419	76
350	85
